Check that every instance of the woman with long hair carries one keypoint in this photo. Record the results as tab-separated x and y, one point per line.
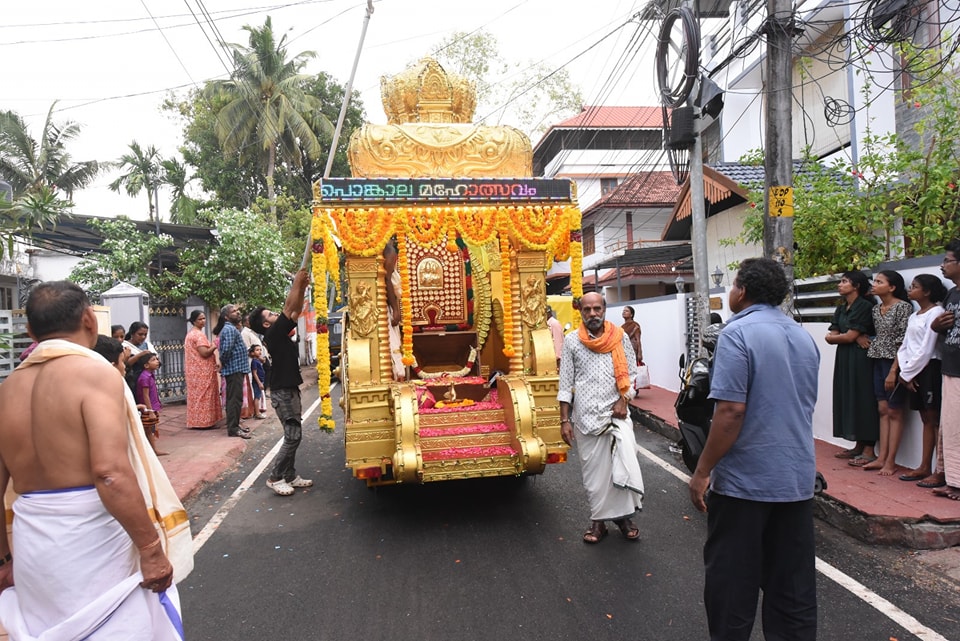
890	318
200	370
918	362
854	406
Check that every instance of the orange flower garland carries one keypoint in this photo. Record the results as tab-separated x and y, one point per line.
406	304
424	224
364	232
477	225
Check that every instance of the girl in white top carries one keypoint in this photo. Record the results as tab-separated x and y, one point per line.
918	360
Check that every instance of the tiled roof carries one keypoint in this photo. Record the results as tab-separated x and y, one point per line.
648	188
614	118
649	257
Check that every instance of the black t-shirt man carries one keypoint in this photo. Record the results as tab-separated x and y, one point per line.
285	372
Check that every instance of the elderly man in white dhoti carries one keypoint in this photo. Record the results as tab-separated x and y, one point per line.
596	384
98	531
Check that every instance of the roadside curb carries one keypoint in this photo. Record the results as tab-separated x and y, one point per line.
926	533
654	423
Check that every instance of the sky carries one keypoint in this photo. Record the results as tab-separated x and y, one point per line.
110	64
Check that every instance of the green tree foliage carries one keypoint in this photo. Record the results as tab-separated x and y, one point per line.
125	255
248	264
267	112
38	208
30	164
901	199
237	183
234	183
527	95
142	172
184	210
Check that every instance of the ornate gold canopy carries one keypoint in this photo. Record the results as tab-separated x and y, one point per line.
427	93
429	132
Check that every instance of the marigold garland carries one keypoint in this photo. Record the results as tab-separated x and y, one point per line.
576	266
505	270
406	301
425	225
323	251
364	232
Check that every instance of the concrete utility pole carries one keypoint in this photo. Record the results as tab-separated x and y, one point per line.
698	215
778	154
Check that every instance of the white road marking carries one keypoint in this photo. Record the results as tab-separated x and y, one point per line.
850	584
214	523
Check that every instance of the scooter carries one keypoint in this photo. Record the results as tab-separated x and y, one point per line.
693	406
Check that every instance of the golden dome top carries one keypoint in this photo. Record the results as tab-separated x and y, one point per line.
425	93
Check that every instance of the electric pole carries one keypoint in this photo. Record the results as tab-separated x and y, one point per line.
778	144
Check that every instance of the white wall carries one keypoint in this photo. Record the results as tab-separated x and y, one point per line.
663	338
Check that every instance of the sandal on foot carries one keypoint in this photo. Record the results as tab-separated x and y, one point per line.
912	476
630	531
598	530
851	453
860	461
934	480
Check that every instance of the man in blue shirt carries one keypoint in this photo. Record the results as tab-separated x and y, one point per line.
759	463
234	366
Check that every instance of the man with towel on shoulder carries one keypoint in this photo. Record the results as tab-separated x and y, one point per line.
596	384
99	533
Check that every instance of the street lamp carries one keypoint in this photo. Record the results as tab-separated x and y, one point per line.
680	282
717	276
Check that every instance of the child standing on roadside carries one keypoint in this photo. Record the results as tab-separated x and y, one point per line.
259	377
148	396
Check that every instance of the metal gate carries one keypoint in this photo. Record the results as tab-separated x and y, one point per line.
168	328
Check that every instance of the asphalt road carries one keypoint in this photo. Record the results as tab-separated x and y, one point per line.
496	559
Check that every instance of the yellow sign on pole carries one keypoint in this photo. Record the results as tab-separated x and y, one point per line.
781	202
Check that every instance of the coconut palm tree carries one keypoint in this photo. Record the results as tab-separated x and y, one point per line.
183	208
29	164
143	171
267	110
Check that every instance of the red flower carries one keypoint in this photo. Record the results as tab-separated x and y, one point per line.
753	205
323	329
917	104
318	247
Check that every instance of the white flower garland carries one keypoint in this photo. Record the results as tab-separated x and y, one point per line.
463	371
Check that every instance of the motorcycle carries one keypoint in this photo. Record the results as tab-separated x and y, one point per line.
694	408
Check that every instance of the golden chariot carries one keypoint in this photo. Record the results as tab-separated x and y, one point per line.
475	237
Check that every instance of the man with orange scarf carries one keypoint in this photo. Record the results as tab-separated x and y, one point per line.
595	387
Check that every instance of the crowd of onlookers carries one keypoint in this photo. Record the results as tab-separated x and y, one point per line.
898	348
135	358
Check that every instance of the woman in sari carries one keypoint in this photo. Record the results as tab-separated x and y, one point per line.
203	385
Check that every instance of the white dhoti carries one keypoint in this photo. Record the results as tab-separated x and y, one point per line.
950	430
611	472
77	576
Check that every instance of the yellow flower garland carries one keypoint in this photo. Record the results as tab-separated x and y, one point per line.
406	301
505	270
324	250
554	229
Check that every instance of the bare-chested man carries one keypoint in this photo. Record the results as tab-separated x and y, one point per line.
81	522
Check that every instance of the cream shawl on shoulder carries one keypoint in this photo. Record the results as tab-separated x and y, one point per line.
163	505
